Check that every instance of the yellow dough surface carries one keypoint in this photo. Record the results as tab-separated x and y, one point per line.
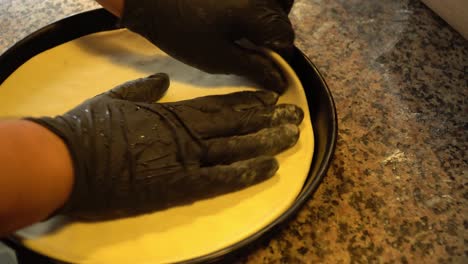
59	79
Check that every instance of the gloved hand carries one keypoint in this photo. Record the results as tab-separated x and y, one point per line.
203	33
133	156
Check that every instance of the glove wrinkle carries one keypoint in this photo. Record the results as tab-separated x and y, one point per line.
131	157
165	112
128	154
108	154
202	34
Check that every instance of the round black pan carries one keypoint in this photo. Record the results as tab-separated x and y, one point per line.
319	97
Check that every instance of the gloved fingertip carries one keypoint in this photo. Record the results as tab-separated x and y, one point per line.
267	97
285	50
274	80
159	75
291	134
159	83
147	89
287	53
162	78
286	5
287	114
260	68
265	167
256	170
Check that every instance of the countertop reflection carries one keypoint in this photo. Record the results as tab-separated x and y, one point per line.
397	189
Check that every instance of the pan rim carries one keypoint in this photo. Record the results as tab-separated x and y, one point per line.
100	20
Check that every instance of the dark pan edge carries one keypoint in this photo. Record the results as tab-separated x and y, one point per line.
55	34
324	119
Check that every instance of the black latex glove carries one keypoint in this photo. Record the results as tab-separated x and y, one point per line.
203	33
132	155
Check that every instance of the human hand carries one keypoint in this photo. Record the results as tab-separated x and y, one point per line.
203	34
132	155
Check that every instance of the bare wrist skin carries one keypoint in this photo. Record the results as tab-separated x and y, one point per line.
36	174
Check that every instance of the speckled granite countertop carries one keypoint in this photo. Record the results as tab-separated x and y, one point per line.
398	187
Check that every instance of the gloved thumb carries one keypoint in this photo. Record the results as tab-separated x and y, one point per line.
148	90
251	61
286	5
272	30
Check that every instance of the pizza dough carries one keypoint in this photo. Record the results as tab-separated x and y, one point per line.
61	78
